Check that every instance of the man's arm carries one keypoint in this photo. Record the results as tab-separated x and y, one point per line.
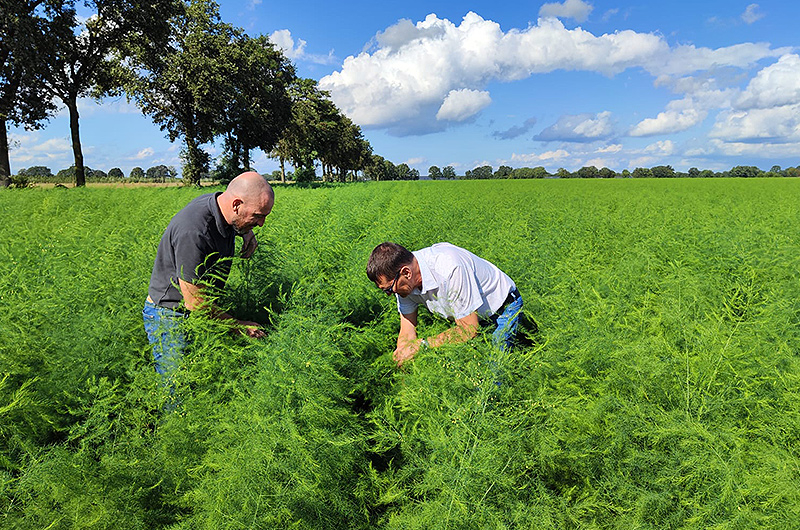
193	299
249	244
407	343
465	329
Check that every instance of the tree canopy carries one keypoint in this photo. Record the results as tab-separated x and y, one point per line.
23	100
82	56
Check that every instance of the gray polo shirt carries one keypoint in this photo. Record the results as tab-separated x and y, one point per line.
196	247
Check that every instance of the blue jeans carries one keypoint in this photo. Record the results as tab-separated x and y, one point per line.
507	323
163	327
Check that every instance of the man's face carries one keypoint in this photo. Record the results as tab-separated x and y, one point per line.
251	214
400	284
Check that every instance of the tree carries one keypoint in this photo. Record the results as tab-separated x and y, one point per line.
83	54
304	175
36	173
503	172
116	173
312	129
23	100
185	86
587	172
480	172
607	173
449	172
258	106
642	173
161	173
434	172
403	172
345	149
137	174
661	172
538	172
746	172
379	169
562	173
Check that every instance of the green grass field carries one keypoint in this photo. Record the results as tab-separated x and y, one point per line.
662	390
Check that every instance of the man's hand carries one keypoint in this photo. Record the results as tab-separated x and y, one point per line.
406	352
249	244
251	329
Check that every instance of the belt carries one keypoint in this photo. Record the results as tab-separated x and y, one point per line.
512	297
150	300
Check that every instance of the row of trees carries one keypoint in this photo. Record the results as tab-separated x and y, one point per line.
158	173
199	78
486	172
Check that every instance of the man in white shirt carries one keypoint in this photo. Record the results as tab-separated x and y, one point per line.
451	282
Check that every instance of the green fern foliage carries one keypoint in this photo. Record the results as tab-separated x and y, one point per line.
660	391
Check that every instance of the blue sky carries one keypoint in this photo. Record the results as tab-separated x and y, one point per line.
622	84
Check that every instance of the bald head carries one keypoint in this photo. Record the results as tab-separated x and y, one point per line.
249	185
246	201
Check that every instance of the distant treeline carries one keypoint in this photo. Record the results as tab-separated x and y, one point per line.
43	174
382	169
486	172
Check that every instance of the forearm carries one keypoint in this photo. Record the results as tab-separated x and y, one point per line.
405	337
455	335
465	329
194	299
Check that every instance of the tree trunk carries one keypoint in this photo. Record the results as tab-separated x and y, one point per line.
80	171
193	167
5	164
236	149
283	171
245	159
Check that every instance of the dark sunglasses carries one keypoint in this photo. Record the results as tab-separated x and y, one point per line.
390	290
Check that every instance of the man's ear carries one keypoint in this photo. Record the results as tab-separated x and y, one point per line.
236	203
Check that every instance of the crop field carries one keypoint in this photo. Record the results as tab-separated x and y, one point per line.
662	389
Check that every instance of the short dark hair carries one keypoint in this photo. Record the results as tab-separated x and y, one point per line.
387	259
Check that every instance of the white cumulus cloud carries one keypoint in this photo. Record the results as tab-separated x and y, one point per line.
402	83
147	152
679	116
461	104
614	148
775	85
758	150
778	123
548	156
296	50
752	14
575	9
579	128
283	39
662	148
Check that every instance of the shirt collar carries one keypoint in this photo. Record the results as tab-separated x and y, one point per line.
428	281
222	225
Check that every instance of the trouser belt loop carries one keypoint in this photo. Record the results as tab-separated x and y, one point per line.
512	296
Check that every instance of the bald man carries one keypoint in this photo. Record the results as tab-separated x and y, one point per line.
194	258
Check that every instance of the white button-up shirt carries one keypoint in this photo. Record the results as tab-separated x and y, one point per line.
455	283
